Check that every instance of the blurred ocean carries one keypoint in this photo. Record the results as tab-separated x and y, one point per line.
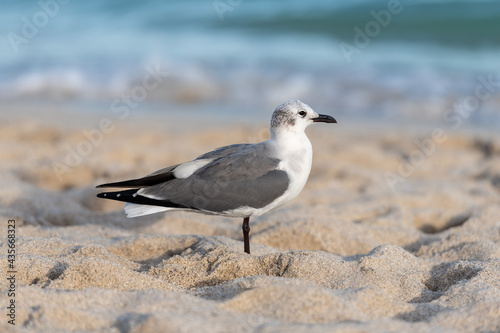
418	63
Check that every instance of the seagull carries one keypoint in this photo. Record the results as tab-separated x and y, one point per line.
240	180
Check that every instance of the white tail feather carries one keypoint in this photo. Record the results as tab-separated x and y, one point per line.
135	210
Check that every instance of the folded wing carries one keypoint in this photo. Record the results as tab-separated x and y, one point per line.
233	177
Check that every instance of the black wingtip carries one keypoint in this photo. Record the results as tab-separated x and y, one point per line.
124	196
108	185
131	196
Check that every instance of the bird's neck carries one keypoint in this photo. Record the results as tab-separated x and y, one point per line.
287	139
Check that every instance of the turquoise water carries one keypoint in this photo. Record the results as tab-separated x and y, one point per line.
391	58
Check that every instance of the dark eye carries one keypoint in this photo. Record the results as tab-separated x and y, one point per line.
302	113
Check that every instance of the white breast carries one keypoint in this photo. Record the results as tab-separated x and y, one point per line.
296	161
297	165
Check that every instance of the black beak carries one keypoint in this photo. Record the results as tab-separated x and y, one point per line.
323	118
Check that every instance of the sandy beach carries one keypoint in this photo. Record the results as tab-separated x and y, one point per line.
397	230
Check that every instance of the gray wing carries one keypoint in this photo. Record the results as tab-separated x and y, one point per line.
245	175
225	151
167	174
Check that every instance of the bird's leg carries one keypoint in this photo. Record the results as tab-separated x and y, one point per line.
246	231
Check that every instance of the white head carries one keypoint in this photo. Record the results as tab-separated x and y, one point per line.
295	116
